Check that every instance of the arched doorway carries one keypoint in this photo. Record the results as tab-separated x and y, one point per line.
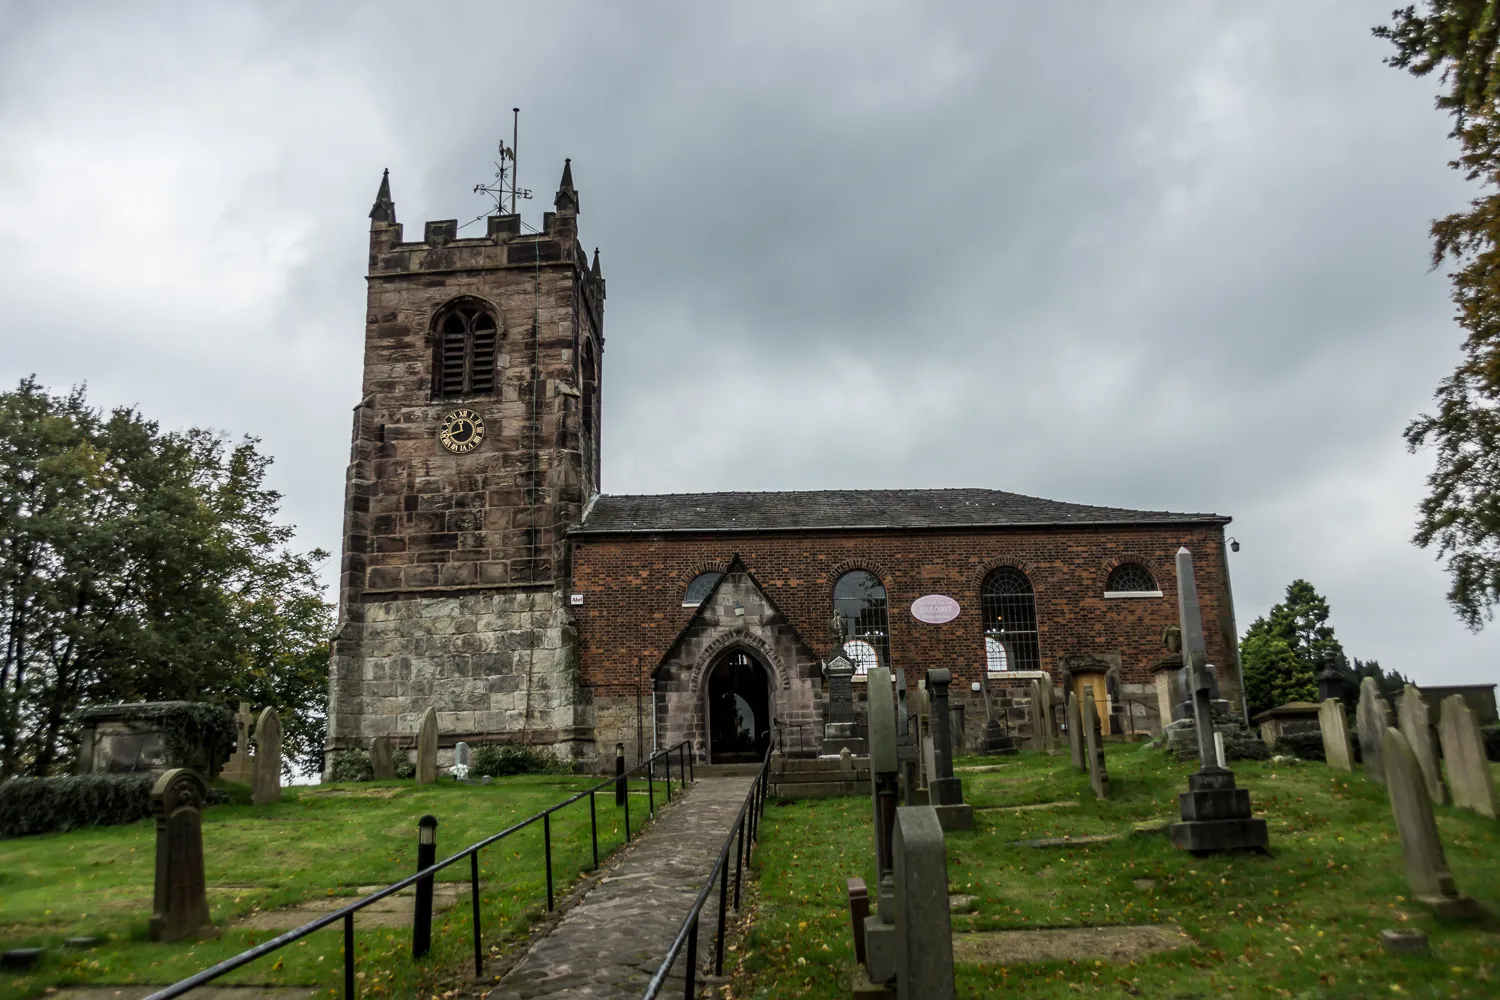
739	710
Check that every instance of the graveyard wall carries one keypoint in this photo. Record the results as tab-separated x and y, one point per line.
632	587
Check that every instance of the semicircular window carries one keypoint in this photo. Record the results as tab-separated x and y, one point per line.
1007	605
1131	578
859	601
699	588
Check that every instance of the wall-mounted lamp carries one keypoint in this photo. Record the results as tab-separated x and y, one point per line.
974	686
739	611
1234	545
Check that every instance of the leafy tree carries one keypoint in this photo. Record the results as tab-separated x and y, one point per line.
1390	683
1281	651
1460	39
137	564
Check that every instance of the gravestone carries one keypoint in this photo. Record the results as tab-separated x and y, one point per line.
240	767
1219	756
1093	742
1463	748
461	761
267	783
880	927
1041	710
924	929
1415	723
945	792
427	740
1075	733
996	738
839	732
1336	747
1372	718
1330	680
1427	869
1216	816
179	904
380	758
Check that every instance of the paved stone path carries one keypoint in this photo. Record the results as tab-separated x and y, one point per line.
609	945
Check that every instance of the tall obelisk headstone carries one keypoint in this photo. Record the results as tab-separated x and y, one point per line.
945	792
1415	724
1463	749
267	784
1075	733
427	741
1372	718
1216	815
839	730
880	927
1427	869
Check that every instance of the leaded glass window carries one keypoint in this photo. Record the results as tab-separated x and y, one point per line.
1130	578
1007	605
860	602
698	589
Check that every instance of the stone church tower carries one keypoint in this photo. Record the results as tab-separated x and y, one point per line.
475	448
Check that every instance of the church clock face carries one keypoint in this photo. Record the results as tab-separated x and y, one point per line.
462	431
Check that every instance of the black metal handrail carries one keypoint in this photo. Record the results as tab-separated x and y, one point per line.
424	876
747	828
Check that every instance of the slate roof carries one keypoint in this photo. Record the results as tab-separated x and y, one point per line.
839	510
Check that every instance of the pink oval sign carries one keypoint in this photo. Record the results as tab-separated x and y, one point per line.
934	609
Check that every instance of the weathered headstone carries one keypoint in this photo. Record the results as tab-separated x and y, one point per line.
839	732
1415	724
1336	747
1220	757
996	738
908	749
241	764
880	927
1075	733
179	905
1372	718
1463	748
427	740
924	930
1216	816
1043	712
1093	742
267	784
461	761
380	758
1427	869
945	792
1330	680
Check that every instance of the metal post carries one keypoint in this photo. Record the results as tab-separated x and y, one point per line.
692	959
349	955
723	903
651	787
474	897
594	830
739	857
627	817
667	759
421	925
547	850
620	774
687	752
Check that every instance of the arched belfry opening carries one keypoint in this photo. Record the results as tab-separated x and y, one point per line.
739	709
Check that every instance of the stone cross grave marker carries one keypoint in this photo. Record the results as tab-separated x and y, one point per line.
1463	749
1372	718
1415	723
1336	747
880	927
1216	816
380	758
241	764
1075	733
1093	743
945	792
179	904
427	740
267	785
1427	869
461	761
924	930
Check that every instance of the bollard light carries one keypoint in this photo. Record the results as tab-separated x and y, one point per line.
427	830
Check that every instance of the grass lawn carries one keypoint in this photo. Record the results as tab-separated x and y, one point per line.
320	841
1300	923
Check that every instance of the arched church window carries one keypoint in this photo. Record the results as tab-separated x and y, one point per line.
1007	605
698	589
859	600
464	364
1131	578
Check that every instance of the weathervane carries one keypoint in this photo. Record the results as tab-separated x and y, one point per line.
499	189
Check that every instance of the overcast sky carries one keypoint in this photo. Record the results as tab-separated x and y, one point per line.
1165	256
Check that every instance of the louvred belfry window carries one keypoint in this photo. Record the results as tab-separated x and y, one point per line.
465	357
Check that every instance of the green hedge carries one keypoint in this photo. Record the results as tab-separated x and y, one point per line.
1308	746
351	765
498	759
1491	736
48	805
